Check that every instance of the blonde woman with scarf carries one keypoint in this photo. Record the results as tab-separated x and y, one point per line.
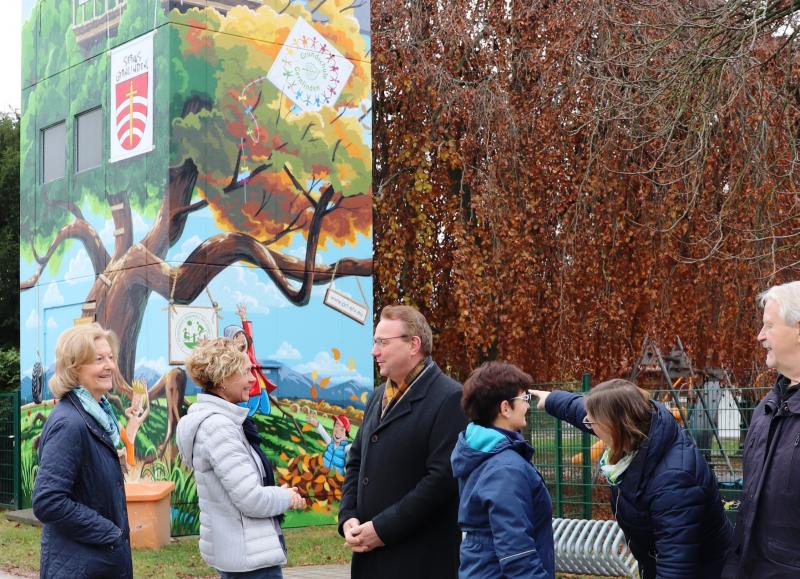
663	493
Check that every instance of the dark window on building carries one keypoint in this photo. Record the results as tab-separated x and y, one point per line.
88	139
54	152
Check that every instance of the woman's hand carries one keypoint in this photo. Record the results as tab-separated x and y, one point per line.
541	395
296	501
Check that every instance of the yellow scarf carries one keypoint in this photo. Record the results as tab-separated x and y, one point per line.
394	392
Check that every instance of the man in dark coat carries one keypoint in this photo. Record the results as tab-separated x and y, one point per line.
399	504
768	525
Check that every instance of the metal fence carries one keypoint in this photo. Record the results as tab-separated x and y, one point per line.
716	418
9	449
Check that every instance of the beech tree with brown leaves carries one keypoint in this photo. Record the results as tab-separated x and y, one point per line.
556	180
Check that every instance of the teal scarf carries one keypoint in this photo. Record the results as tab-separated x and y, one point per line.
100	411
614	472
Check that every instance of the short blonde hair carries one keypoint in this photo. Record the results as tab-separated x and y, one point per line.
74	348
212	361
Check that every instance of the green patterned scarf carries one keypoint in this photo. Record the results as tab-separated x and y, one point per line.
614	472
100	411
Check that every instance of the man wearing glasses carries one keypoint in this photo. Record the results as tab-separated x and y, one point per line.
399	503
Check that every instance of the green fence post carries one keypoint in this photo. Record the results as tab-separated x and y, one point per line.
17	450
586	473
559	468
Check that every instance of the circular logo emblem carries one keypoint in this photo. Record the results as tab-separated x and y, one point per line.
189	330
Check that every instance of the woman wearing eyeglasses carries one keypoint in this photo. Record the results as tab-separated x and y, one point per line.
663	494
504	509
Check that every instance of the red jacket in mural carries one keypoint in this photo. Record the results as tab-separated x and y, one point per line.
257	369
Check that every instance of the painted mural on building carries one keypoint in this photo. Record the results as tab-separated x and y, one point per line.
193	169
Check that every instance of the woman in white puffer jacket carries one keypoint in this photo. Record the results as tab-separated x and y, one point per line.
240	534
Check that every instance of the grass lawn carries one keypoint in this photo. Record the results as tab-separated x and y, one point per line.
19	552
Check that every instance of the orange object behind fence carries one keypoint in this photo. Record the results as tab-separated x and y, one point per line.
596	450
148	513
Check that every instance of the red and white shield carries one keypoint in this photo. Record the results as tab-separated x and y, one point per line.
131	112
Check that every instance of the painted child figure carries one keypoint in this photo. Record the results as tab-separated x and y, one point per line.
335	454
262	388
137	413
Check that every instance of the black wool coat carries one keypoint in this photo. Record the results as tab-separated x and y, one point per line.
398	476
768	524
79	495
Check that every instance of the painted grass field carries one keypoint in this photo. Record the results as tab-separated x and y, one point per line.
284	442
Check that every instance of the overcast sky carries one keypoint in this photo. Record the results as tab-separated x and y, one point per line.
10	26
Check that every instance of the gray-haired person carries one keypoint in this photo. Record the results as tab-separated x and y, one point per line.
768	526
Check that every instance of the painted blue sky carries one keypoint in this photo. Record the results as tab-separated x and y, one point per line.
300	337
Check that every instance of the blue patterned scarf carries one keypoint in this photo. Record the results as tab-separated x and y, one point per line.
100	411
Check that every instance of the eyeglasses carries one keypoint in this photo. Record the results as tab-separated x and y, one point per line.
526	397
587	423
381	342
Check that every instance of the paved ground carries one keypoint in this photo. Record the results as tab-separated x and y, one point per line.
310	572
317	572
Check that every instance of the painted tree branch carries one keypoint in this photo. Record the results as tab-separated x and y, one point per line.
123	223
81	231
172	215
226	249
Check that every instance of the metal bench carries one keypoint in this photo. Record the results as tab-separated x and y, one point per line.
593	547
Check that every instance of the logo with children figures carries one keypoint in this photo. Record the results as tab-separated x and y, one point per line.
309	70
188	326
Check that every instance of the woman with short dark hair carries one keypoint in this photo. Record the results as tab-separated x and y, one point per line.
663	493
504	508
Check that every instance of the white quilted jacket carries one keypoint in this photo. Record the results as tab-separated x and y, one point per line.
238	530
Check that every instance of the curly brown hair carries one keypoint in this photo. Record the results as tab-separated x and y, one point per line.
214	360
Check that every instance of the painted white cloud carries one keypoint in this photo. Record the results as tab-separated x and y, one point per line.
140	226
286	352
52	297
252	287
107	234
80	267
158	365
187	247
51	323
326	366
250	301
32	321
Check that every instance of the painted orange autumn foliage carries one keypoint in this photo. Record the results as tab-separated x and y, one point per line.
541	206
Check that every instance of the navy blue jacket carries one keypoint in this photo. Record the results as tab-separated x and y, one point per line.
79	495
668	503
768	524
504	508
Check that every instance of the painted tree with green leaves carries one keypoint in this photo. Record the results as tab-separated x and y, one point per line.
267	172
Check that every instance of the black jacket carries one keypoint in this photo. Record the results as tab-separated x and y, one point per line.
398	476
668	503
768	524
79	495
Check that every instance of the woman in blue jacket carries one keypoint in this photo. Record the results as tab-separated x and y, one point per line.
79	492
663	494
504	509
